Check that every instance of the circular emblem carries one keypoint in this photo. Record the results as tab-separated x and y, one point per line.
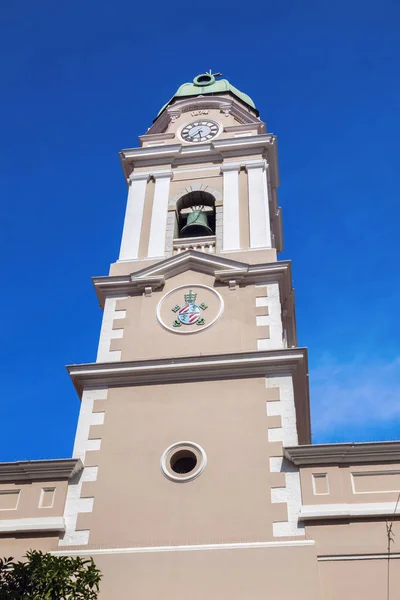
189	308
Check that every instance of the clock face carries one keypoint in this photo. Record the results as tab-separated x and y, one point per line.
199	131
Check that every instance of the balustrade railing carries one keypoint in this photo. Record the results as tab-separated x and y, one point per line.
201	244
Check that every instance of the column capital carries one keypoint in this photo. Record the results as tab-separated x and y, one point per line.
256	164
138	177
145	175
160	174
227	167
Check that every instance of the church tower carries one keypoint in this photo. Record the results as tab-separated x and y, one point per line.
193	476
199	383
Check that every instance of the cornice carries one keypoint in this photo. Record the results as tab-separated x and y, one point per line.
190	368
179	154
222	269
344	454
38	470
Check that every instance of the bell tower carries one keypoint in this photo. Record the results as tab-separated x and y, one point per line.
213	179
199	383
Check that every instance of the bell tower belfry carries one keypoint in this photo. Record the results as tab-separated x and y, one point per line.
206	169
199	383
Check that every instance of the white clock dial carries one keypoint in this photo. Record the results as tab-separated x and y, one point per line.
199	131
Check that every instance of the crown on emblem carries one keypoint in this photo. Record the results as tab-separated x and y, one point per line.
190	296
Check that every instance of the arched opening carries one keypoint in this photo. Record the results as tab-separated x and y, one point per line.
196	214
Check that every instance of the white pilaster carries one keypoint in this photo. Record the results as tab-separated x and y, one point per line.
133	217
158	226
260	226
231	221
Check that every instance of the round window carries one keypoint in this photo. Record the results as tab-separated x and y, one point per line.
183	461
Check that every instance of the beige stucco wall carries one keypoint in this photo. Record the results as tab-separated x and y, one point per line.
351	484
17	545
359	579
223	574
235	331
29	498
135	504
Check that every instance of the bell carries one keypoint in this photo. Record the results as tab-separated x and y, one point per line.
196	225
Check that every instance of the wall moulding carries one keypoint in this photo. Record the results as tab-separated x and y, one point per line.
40	470
344	454
177	154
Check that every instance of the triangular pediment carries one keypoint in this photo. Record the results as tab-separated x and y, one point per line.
224	270
190	260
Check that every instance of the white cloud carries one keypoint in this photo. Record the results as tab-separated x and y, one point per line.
353	395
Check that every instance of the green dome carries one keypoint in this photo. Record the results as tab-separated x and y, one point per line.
205	83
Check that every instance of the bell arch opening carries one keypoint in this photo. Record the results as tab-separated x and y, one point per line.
196	214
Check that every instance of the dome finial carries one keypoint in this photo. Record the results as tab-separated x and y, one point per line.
207	78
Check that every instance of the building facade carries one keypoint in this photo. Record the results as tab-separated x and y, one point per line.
193	474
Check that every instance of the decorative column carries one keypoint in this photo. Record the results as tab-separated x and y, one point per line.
260	225
133	216
158	225
231	221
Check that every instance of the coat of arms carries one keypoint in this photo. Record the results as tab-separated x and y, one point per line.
190	312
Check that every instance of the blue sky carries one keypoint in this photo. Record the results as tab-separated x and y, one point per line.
81	80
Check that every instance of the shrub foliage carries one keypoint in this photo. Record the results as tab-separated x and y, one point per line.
42	576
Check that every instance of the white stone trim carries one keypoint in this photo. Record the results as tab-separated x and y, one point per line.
186	548
287	434
315	476
107	333
193	474
32	524
194	169
348	511
262	320
133	217
231	221
273	319
14	492
356	474
288	410
74	504
259	218
158	226
195	187
275	434
42	492
261	301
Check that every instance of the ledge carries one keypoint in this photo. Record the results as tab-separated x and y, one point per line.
55	524
31	470
343	454
348	511
192	368
132	158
